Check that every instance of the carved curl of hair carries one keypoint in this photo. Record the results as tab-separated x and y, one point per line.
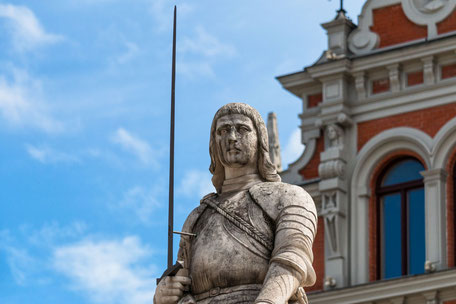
266	169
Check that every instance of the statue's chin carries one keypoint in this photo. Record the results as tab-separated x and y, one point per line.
235	164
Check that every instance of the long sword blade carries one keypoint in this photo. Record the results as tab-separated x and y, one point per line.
171	150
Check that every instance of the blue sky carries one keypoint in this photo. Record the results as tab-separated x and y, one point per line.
84	129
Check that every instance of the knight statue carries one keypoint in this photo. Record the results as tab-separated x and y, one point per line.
251	242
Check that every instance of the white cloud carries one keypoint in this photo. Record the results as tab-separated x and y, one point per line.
200	53
294	148
50	233
196	184
135	145
48	155
21	105
162	11
26	30
132	50
206	45
21	264
143	202
108	271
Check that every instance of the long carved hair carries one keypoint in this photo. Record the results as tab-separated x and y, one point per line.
266	169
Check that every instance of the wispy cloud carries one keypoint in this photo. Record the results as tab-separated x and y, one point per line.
131	51
52	233
201	52
21	104
143	202
108	271
48	155
25	29
196	183
293	148
206	45
161	10
22	265
135	145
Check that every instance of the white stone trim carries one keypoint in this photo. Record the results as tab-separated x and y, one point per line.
428	18
444	144
435	215
363	40
291	175
409	287
413	99
366	161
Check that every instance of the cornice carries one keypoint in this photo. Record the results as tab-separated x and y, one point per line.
387	289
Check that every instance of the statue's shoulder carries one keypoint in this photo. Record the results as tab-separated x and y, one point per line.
193	217
273	197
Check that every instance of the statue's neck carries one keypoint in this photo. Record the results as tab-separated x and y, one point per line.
231	173
244	182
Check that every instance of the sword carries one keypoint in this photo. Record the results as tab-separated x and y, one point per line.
171	150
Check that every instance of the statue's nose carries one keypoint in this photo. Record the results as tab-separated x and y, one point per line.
232	135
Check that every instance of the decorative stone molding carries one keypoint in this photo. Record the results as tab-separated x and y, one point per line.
365	163
421	12
360	84
394	77
434	185
428	12
415	286
363	40
398	300
332	168
431	297
429	70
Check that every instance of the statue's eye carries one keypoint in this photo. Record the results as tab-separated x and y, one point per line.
243	129
222	131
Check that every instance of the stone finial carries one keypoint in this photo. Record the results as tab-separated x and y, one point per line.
338	31
274	143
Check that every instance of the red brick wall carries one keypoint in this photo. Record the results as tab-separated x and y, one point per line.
450	211
387	21
374	272
380	85
450	302
314	100
448	71
415	78
319	255
447	25
428	120
310	171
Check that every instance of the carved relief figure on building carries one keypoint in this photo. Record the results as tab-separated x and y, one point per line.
429	6
335	136
254	237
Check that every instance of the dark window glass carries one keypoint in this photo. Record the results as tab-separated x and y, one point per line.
402	172
402	219
417	249
392	231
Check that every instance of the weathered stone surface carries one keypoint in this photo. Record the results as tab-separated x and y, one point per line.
254	236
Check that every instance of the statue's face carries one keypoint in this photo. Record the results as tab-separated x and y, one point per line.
332	134
237	141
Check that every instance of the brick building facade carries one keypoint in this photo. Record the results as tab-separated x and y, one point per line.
379	127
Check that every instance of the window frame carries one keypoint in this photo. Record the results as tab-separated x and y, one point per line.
402	189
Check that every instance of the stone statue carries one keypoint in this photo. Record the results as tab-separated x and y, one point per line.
335	136
254	237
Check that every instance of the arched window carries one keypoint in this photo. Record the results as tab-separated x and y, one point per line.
401	219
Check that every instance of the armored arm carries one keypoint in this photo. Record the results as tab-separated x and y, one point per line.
291	260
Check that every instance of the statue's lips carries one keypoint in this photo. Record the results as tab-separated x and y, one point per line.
234	151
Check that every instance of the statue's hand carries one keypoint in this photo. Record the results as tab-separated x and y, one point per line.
171	289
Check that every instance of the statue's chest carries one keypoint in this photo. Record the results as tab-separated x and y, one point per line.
223	253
